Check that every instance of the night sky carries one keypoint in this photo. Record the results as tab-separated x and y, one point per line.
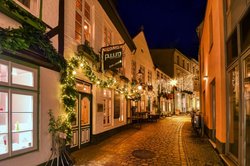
166	23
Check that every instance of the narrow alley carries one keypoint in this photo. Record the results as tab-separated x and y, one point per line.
170	141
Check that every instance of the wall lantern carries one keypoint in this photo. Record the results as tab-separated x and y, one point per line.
205	78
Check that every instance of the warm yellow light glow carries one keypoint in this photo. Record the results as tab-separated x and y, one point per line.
74	72
205	78
85	27
139	87
81	65
173	82
97	82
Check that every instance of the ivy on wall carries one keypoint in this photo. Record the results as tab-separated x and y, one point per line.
28	37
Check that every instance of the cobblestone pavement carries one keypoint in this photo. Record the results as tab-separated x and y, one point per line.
198	149
164	139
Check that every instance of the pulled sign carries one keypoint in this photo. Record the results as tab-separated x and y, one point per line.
112	59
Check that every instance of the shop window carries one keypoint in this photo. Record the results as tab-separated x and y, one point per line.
18	109
247	105
234	108
107	106
245	31
232	48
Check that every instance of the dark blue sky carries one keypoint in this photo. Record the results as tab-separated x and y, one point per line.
167	23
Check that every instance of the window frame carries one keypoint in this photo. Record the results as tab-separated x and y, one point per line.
11	89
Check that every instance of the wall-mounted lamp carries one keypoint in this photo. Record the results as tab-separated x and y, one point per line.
205	77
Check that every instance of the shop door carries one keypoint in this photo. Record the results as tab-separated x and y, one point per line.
82	126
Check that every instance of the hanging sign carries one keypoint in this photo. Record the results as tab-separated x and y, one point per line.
112	57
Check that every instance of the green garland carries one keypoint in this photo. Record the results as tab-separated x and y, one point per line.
10	8
28	37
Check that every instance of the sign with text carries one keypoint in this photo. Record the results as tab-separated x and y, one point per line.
112	59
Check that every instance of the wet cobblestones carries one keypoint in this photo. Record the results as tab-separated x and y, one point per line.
164	138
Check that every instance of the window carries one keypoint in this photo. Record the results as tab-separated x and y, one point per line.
107	107
87	25
82	28
87	10
29	5
78	21
178	60
232	48
234	108
133	69
18	109
187	66
142	68
158	75
107	36
228	4
150	76
183	64
87	32
245	31
210	30
247	105
25	3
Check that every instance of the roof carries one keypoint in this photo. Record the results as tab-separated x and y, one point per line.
160	56
111	11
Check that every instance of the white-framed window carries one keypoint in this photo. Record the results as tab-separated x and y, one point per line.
107	106
78	21
82	22
18	109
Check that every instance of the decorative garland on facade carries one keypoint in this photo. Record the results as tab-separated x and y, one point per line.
28	37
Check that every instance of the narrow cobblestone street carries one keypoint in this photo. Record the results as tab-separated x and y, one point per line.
167	141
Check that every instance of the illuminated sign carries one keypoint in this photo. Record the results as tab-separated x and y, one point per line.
112	59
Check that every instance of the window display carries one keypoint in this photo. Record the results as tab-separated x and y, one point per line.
234	98
17	109
247	106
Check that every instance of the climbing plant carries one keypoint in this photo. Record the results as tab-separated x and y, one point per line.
27	37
